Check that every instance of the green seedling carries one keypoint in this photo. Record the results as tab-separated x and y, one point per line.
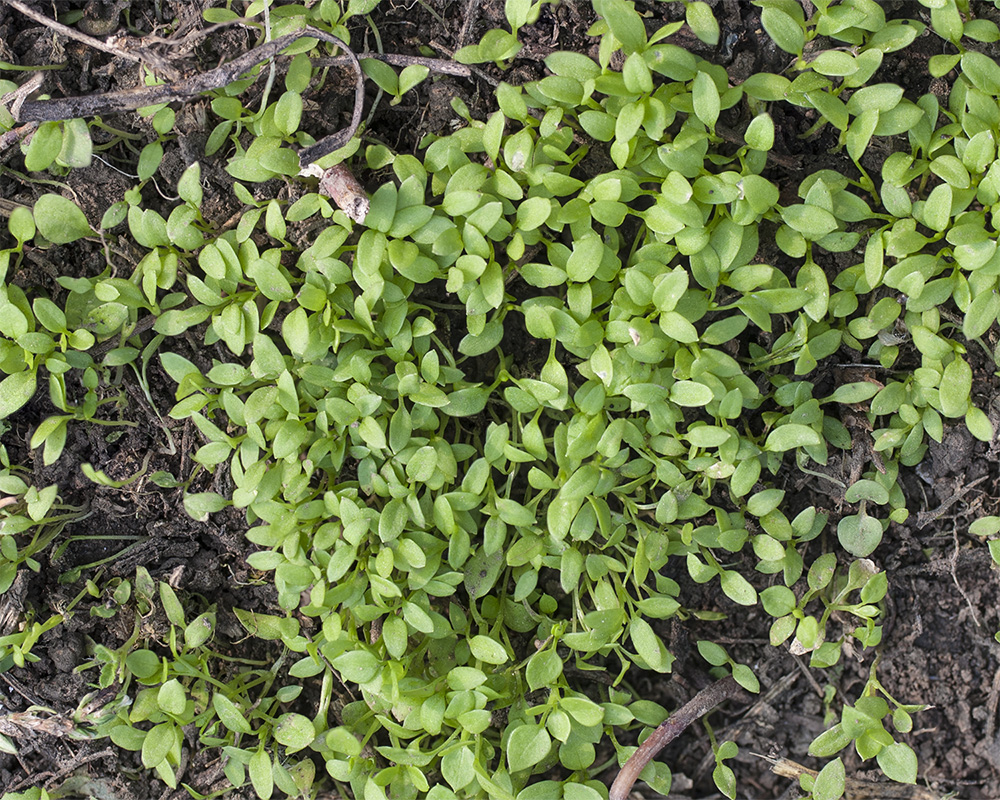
469	433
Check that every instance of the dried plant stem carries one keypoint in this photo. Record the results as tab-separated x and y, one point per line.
131	99
164	67
703	702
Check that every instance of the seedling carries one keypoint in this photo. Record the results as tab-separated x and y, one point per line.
491	409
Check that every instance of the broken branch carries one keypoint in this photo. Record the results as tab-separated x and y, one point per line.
703	702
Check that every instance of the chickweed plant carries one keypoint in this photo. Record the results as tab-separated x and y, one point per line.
469	433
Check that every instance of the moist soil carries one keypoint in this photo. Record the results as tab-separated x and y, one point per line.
938	646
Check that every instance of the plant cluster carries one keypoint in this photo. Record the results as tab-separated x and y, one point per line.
469	433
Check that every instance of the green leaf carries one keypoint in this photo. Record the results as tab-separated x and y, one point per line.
702	21
937	208
585	260
570	64
859	534
261	775
635	73
159	739
896	35
875	589
834	63
625	23
171	605
860	133
831	741
898	762
725	780
482	571
16	390
831	107
487	649
980	152
359	7
956	388
678	327
51	431
582	709
764	502
985	526
812	279
707	435
21	224
270	280
690	394
713	653
982	30
940	65
766	86
294	731
44	147
811	221
171	697
994	548
412	76
947	21
59	220
77	146
830	781
230	714
979	424
648	645
288	112
879	97
760	132
528	745
744	676
784	30
867	490
142	663
543	669
791	435
983	71
189	185
705	96
150	158
738	588
952	171
357	666
767	548
533	212
201	504
778	600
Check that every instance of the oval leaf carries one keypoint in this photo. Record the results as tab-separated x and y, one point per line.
59	220
788	437
15	391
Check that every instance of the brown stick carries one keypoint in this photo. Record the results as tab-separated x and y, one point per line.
854	788
90	41
130	99
703	702
400	60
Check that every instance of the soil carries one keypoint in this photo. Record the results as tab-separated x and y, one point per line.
938	645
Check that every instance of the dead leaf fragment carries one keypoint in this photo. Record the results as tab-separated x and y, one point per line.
339	184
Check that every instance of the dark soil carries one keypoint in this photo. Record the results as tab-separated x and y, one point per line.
938	646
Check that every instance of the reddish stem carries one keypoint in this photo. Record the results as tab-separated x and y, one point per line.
703	702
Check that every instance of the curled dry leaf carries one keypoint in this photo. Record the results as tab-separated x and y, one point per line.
339	184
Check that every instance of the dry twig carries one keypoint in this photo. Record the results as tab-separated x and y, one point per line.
703	702
399	60
131	99
855	789
90	41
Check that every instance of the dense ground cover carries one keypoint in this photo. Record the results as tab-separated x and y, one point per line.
665	349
